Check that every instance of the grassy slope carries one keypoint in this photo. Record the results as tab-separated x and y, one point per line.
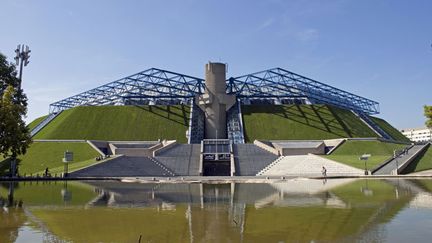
35	122
422	162
349	153
301	122
389	129
119	123
43	154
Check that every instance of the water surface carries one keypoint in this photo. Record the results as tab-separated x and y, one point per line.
342	210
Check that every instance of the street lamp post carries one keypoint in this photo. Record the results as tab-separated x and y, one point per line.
22	59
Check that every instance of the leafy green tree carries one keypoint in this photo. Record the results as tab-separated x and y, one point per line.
14	134
428	114
8	74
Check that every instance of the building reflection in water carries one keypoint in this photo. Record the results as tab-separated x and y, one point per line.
302	209
292	210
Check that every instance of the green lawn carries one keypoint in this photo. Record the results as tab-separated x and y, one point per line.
73	166
49	154
119	123
350	151
35	122
422	162
301	122
390	130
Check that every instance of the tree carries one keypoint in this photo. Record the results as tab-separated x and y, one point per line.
8	74
428	114
14	134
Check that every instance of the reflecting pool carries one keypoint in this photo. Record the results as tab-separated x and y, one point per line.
298	210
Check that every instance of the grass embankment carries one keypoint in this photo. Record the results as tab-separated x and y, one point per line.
119	123
35	122
350	151
41	155
422	162
301	122
390	130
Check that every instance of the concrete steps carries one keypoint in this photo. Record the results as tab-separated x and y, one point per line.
182	159
310	165
250	159
125	166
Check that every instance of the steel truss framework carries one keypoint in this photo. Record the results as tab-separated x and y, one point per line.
278	83
157	86
151	85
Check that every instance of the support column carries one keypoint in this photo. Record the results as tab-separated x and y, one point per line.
215	102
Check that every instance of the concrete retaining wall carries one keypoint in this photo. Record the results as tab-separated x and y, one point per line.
164	146
266	147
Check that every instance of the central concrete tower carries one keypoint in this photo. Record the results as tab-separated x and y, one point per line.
215	102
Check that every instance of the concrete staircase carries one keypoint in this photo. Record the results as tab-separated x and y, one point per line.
250	159
125	166
271	165
307	165
182	159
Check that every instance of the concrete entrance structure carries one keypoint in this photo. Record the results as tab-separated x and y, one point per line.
215	102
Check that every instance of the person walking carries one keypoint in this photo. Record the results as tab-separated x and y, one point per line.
46	172
324	171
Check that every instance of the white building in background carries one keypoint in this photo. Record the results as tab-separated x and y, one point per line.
418	134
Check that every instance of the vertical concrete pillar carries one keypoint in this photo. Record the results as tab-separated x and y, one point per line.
215	102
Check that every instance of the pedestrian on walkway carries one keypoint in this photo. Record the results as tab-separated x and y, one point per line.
47	174
324	171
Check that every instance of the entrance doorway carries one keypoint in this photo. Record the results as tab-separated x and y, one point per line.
216	168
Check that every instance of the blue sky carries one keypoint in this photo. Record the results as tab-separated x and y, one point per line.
378	49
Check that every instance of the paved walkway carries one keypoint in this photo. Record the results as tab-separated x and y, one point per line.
398	161
425	172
